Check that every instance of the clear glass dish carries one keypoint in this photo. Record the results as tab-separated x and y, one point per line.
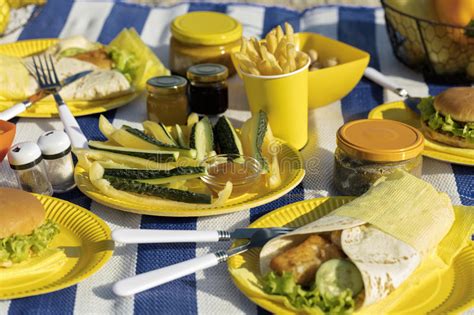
242	171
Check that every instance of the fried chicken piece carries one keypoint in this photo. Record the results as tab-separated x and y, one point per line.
336	238
98	57
304	259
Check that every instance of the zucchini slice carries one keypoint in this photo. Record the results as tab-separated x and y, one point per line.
253	134
157	190
193	118
202	138
157	176
159	132
135	138
106	127
152	155
227	138
180	136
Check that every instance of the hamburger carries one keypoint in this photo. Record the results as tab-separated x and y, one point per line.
24	230
449	117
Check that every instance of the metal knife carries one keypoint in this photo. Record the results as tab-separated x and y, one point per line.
382	80
136	236
40	94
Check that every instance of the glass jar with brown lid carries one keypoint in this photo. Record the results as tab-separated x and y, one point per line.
167	100
208	91
368	149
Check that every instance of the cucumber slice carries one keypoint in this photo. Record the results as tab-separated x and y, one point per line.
158	191
202	138
227	138
159	131
336	275
193	118
180	136
106	127
152	155
157	176
253	134
135	138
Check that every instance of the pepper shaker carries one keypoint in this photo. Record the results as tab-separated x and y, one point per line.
55	147
26	160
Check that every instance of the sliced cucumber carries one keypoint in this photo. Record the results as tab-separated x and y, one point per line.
227	138
135	138
202	138
152	155
337	275
159	131
158	191
157	176
193	118
106	127
253	134
180	136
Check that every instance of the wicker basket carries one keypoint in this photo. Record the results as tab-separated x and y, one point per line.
444	53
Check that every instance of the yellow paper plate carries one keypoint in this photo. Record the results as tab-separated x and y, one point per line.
292	172
451	292
400	112
87	244
47	107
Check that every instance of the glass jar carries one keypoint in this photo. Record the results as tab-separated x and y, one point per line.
208	91
167	100
203	37
368	149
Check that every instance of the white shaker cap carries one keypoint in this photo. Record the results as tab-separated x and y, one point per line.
25	154
54	144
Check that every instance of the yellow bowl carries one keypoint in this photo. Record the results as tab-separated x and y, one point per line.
330	84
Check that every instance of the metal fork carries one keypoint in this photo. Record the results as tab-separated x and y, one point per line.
48	80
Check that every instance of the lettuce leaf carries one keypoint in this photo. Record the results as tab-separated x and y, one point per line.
310	300
125	62
438	121
18	248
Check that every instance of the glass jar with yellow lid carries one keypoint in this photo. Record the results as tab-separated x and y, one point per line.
167	100
368	149
203	37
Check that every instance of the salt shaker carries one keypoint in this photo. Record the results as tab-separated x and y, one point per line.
55	147
26	160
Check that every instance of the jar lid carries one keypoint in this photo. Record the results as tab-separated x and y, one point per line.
206	28
380	140
54	144
24	155
207	72
167	84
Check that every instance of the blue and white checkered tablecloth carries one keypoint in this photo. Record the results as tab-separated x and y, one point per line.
212	291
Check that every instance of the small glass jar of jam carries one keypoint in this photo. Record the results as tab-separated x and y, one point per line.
208	92
167	100
203	37
368	149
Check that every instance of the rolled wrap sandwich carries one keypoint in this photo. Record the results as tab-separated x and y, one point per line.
361	252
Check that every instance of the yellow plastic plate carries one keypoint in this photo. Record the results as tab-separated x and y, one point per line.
87	244
292	173
400	112
47	107
453	292
330	84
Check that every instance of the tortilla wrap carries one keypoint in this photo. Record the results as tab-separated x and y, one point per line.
384	260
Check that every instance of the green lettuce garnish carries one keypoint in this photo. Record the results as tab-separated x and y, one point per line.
124	61
18	248
311	299
438	121
70	52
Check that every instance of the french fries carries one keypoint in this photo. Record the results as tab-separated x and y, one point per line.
276	55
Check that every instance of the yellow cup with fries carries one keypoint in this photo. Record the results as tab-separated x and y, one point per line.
275	77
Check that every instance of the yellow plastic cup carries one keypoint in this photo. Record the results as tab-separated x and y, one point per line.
284	98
